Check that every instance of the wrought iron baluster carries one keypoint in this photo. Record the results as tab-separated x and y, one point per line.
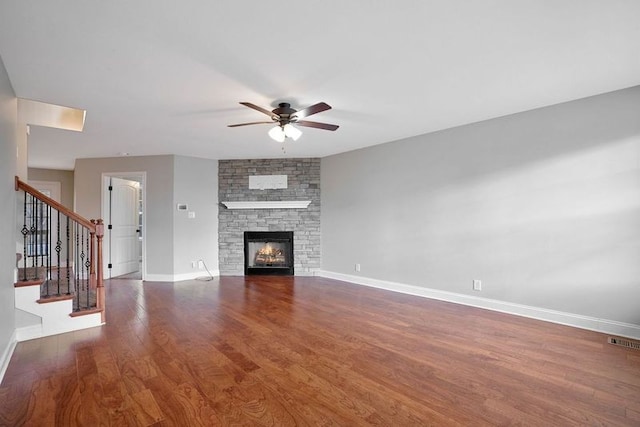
33	242
25	233
50	242
76	267
40	236
58	247
81	265
44	239
87	264
68	256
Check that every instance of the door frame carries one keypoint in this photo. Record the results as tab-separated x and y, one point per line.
140	177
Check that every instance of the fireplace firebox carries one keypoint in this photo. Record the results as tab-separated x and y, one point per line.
268	253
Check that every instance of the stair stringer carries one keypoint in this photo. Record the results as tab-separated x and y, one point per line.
55	316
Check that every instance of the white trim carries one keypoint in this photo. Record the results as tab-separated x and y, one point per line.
569	319
304	273
159	278
40	331
180	277
29	332
270	204
6	355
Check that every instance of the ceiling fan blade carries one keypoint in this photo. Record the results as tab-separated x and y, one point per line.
257	108
325	126
247	124
314	109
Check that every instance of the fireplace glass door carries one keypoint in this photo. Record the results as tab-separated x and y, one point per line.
268	252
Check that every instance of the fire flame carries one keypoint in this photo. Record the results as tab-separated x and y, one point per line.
268	250
268	255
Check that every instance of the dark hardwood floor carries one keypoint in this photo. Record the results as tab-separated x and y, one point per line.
283	351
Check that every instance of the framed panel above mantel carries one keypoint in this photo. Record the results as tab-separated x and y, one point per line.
268	204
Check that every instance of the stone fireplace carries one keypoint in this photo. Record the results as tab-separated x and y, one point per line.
268	253
294	208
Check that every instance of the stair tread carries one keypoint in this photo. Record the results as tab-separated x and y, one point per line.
54	298
32	282
86	312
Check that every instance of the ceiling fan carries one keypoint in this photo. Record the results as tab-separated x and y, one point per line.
284	117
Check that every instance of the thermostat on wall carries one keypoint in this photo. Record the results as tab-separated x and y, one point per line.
182	206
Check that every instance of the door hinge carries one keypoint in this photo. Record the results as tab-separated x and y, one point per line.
109	227
109	265
111	188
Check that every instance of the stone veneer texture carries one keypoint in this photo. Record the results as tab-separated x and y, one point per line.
303	182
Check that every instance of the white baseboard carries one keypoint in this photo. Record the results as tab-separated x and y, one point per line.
569	319
179	277
306	273
5	358
39	331
29	332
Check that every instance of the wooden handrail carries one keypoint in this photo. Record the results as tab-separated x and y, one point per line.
21	185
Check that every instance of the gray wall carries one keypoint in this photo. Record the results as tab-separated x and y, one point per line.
8	168
170	179
303	183
196	184
159	199
64	177
542	206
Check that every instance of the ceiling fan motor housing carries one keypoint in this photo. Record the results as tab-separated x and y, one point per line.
283	113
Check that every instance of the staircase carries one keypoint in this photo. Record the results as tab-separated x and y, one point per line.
59	272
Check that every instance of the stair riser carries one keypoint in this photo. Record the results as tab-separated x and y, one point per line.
55	316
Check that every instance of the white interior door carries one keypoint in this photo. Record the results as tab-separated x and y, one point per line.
124	245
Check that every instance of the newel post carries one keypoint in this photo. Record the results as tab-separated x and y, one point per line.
100	295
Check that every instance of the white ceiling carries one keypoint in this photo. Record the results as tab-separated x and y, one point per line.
165	77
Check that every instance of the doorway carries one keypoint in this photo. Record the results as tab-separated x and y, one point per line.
123	210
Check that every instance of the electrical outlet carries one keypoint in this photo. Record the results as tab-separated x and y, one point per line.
357	267
477	285
193	264
200	264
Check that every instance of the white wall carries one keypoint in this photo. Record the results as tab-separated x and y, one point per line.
195	184
8	171
542	206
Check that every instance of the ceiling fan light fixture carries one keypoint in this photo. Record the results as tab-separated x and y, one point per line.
277	134
292	132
